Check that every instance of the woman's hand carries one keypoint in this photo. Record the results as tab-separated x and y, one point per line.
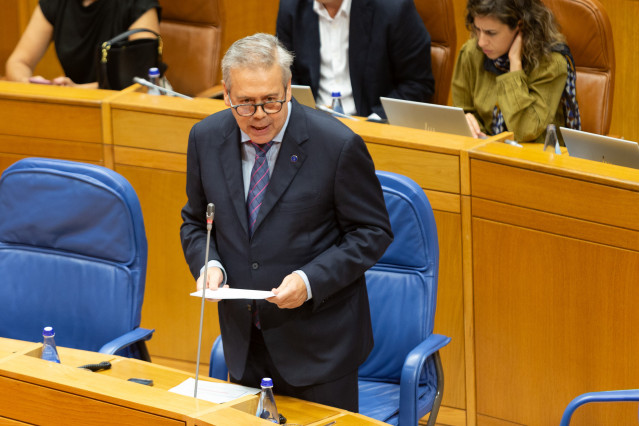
474	126
514	54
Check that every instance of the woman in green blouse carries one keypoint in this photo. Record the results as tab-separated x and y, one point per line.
515	73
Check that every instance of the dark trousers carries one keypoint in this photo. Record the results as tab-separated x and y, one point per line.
340	393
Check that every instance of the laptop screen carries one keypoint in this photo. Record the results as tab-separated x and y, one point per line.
424	116
591	146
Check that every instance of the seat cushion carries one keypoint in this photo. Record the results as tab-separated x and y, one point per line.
381	400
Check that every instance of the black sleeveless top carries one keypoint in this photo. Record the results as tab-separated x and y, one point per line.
78	31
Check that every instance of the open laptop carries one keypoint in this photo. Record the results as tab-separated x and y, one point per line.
432	117
601	148
303	95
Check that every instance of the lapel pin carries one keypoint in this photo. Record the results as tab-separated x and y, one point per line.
293	158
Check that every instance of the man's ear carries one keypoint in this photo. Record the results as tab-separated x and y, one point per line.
289	93
227	98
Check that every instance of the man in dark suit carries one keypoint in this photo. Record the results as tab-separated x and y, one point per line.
386	53
320	225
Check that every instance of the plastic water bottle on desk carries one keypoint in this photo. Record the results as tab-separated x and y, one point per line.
154	77
266	408
49	350
337	102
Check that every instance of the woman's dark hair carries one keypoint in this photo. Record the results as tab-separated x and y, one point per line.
538	26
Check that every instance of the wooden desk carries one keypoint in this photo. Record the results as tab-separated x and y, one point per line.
555	247
40	392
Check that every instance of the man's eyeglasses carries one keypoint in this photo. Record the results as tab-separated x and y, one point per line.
247	110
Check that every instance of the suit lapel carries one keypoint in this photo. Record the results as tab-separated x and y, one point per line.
360	29
232	170
289	161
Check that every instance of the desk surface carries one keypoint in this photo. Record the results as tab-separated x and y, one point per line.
37	391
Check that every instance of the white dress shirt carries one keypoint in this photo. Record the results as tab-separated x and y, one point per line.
334	69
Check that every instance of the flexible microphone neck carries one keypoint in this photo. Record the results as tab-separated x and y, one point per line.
210	212
147	83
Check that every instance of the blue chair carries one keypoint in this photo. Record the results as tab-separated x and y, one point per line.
628	395
73	256
402	379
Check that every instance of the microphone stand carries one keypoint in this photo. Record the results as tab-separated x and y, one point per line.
210	211
169	92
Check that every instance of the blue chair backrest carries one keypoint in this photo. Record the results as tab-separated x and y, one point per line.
73	253
402	286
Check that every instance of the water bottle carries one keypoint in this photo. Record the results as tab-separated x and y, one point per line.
49	350
337	102
551	139
154	77
266	408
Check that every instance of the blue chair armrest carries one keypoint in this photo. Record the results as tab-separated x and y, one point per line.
127	339
217	365
605	396
411	372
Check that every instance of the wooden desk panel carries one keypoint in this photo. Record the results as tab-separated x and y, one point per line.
41	392
46	121
555	250
41	405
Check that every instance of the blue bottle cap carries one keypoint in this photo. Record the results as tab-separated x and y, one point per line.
154	72
48	332
336	94
267	382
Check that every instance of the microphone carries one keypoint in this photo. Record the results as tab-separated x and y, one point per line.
210	212
147	83
338	114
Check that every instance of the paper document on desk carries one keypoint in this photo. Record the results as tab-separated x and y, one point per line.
233	293
213	391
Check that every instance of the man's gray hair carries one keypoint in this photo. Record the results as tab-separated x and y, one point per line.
257	51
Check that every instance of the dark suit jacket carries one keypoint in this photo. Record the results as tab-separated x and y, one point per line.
323	213
389	50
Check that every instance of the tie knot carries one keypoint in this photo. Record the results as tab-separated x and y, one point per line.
262	149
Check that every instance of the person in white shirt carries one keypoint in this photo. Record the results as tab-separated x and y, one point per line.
363	49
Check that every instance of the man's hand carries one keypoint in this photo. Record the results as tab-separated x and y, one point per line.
215	277
291	293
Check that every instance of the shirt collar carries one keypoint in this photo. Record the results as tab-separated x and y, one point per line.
344	9
280	135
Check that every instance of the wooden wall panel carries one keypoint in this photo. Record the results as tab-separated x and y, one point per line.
10	30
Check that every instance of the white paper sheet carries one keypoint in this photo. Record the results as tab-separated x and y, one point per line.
213	391
233	293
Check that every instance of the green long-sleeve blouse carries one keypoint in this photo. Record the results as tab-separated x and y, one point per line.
528	102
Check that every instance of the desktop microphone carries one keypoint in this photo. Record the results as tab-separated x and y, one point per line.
335	113
147	83
210	212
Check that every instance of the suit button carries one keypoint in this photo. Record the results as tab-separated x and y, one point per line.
249	307
255	265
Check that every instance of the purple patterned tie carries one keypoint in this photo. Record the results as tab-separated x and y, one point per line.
259	182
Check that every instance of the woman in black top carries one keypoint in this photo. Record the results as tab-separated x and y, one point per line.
78	28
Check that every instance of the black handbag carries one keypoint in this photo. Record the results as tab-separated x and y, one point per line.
121	59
